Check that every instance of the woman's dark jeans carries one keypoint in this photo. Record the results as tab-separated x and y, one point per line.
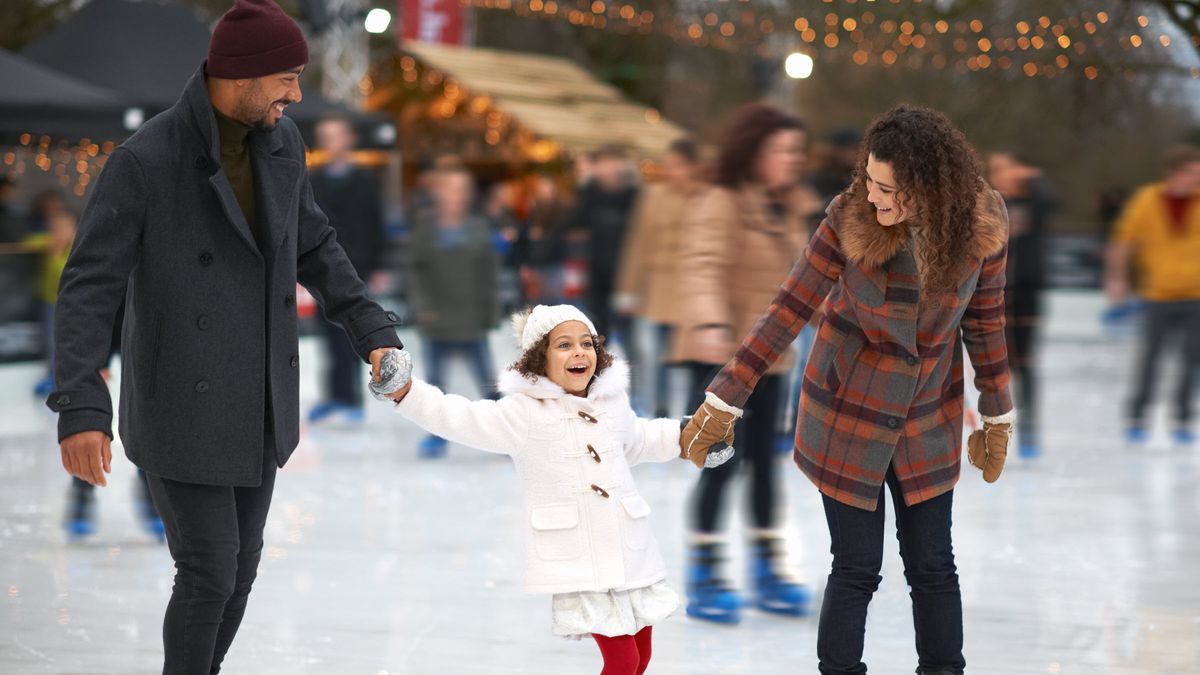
856	536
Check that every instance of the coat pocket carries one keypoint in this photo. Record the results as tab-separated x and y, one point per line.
843	362
556	531
155	351
637	534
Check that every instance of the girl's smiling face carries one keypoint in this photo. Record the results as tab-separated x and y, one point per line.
571	357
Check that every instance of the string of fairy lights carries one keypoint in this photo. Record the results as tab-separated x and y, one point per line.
862	34
74	163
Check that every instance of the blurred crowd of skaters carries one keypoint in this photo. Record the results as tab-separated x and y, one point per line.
610	236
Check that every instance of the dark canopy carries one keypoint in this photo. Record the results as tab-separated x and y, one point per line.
36	99
146	51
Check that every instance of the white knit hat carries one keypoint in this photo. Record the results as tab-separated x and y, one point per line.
530	326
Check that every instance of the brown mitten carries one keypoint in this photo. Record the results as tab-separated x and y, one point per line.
987	449
712	423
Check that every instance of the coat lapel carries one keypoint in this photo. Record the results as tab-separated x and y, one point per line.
233	210
196	108
276	180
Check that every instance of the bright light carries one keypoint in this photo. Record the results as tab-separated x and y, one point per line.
377	20
134	118
798	66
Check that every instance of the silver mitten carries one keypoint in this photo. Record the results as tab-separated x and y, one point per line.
718	455
394	372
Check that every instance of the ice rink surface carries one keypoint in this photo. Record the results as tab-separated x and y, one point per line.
1084	561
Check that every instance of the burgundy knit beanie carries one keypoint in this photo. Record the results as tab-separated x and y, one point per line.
255	38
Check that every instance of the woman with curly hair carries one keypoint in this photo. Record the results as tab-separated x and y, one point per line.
738	240
909	263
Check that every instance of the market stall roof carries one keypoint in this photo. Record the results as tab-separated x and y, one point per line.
554	98
146	51
38	99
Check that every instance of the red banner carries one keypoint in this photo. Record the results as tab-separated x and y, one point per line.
432	21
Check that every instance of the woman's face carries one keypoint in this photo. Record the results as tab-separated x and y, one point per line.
781	159
678	170
571	357
883	193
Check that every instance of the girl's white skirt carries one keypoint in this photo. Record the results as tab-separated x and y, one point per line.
611	613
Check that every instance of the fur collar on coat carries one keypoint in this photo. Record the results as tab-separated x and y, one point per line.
610	384
870	244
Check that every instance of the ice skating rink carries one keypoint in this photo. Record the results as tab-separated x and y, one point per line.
1084	561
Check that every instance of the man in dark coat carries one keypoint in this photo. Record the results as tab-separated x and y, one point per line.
602	214
203	222
349	195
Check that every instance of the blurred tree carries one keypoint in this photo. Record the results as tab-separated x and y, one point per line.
22	21
1185	14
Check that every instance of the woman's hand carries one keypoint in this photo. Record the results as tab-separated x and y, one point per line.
713	423
987	449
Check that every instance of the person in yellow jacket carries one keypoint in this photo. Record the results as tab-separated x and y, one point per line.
1159	230
53	245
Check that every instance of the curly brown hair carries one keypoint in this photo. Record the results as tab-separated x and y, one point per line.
940	176
532	363
749	128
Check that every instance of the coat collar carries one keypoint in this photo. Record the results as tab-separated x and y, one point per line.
196	107
869	244
275	175
612	383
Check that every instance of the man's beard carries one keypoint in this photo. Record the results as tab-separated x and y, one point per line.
262	122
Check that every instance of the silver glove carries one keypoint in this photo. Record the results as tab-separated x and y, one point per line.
395	371
718	455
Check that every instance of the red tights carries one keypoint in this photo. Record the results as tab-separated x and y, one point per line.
625	654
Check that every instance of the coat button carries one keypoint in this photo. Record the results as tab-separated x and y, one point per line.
201	387
295	361
392	316
201	162
63	400
206	258
893	423
595	455
600	491
588	417
202	323
289	300
912	360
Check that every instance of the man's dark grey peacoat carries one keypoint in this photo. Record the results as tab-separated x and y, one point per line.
210	323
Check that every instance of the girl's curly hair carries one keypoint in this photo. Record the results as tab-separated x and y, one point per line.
532	363
940	175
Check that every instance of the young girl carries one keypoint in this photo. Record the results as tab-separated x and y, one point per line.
566	421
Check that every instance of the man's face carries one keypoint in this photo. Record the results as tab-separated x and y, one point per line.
609	171
264	98
1185	180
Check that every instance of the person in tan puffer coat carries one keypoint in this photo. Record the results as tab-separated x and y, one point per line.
742	238
647	281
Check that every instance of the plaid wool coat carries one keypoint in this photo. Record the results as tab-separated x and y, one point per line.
884	381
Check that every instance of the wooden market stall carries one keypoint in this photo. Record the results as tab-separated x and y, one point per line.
498	108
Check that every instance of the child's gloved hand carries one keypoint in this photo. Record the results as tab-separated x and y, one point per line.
394	375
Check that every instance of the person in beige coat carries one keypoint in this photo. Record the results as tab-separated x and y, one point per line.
646	284
739	241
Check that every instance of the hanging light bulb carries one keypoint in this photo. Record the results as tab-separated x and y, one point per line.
798	66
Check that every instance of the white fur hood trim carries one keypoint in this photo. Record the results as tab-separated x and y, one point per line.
612	383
